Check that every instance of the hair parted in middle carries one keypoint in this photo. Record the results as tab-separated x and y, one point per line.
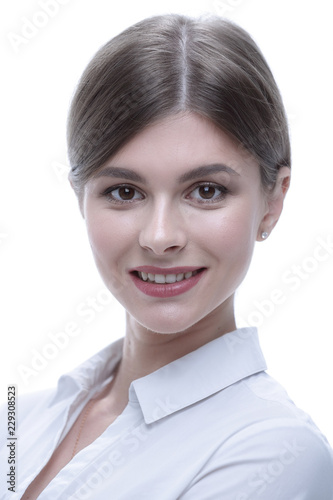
169	64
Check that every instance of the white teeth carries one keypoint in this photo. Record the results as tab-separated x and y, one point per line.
171	278
166	278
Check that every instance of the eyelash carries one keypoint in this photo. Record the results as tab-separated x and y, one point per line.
223	193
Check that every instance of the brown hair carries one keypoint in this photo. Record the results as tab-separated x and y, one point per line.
167	64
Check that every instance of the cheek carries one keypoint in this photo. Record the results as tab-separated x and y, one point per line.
110	239
228	232
108	234
230	240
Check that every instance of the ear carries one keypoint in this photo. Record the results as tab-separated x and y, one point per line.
79	195
274	203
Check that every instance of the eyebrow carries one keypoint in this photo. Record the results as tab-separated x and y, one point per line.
196	173
206	170
123	173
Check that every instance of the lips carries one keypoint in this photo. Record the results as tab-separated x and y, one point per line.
165	270
165	282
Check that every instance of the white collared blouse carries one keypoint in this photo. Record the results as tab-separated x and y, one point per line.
212	425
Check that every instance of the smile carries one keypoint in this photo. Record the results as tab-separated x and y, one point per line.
170	284
166	278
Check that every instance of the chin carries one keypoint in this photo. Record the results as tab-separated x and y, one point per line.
165	324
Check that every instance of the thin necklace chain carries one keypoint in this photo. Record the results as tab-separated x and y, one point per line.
83	421
85	416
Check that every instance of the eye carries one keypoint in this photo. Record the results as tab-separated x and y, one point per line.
208	192
122	194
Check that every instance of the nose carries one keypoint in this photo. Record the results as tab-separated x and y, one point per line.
163	229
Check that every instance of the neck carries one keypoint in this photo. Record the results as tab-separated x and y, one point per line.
146	351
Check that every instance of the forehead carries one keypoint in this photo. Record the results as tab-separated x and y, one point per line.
182	142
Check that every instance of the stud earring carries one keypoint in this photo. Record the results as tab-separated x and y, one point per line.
264	235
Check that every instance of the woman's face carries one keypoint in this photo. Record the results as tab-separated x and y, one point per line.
181	197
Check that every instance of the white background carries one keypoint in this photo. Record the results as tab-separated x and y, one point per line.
48	277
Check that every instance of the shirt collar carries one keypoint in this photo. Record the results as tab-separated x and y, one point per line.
183	382
90	375
199	374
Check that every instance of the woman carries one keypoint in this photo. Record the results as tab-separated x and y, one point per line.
180	160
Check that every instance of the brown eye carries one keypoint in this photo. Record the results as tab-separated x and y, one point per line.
122	194
126	193
207	192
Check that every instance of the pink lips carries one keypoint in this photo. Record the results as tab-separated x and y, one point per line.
164	270
168	289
